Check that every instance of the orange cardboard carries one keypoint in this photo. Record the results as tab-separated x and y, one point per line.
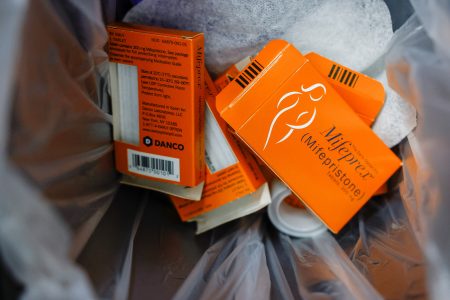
362	93
302	129
226	185
224	79
170	66
365	95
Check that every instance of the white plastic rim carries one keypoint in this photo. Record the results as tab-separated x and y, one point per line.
293	221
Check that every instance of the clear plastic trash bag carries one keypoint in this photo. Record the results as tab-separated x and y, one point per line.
419	68
375	257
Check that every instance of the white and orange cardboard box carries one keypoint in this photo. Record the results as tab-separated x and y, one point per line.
157	87
234	185
301	128
363	94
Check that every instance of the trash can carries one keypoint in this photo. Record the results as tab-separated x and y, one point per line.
69	230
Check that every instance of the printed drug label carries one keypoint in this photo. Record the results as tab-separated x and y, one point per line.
157	85
302	129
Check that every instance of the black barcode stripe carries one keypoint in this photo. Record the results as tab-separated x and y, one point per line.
145	162
337	72
240	83
343	75
170	167
331	71
357	77
260	65
253	70
135	160
256	66
243	79
249	74
348	77
246	77
351	80
152	163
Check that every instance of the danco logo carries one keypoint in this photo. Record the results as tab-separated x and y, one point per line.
298	123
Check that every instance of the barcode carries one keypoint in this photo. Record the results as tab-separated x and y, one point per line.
343	75
153	165
249	73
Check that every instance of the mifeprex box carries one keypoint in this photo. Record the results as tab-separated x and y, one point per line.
157	87
300	127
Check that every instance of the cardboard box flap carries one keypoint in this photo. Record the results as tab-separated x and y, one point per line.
182	34
233	210
184	192
231	97
364	94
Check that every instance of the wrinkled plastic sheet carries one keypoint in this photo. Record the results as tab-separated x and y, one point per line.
56	165
60	131
375	256
419	68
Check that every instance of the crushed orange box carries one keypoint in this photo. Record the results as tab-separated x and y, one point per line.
157	79
239	181
302	129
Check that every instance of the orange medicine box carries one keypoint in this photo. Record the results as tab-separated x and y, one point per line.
157	78
363	94
239	178
292	118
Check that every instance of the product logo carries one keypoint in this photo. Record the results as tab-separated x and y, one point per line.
148	141
315	93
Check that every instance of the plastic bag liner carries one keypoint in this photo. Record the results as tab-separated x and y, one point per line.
60	131
255	263
57	177
55	142
375	257
419	69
